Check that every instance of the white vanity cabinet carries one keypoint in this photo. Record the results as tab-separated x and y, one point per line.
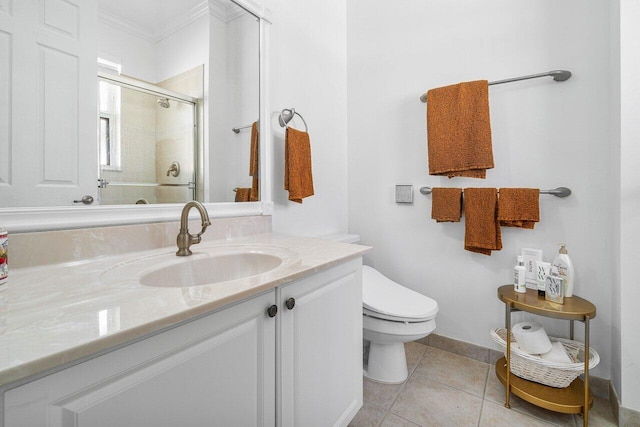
321	348
217	370
235	367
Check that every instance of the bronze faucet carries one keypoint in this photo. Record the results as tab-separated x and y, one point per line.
185	240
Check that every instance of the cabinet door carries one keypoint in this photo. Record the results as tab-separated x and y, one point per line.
321	348
218	370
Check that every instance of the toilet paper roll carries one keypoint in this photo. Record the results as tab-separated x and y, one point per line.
531	337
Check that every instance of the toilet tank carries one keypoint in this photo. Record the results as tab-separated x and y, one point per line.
344	238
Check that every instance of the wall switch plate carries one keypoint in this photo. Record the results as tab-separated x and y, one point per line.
404	193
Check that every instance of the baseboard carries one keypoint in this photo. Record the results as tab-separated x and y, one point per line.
615	402
599	386
628	417
624	416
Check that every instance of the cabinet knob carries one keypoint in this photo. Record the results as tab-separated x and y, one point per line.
272	310
290	303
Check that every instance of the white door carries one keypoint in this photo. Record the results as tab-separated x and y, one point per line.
321	348
48	107
216	371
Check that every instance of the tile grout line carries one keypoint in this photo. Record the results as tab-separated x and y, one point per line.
455	388
404	384
484	393
574	421
520	411
403	418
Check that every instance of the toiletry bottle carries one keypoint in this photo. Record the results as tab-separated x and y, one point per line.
519	280
4	258
565	269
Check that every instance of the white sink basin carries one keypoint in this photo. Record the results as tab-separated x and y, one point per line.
209	265
209	270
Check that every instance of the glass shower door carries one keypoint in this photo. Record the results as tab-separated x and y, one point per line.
147	145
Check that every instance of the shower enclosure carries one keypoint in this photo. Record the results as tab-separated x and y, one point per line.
148	143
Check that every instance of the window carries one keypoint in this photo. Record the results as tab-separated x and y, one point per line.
109	126
105	139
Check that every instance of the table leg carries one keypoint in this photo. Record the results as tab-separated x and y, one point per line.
571	329
586	372
508	354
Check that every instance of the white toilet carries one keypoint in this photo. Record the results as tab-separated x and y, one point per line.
391	316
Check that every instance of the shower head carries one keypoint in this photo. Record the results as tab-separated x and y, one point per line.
164	102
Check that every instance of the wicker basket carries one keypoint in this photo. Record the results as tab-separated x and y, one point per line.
534	368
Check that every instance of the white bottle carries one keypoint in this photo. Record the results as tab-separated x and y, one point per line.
565	269
519	279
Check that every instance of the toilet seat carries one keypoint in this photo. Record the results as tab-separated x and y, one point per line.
390	318
385	299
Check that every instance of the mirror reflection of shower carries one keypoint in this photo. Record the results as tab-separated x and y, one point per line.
143	128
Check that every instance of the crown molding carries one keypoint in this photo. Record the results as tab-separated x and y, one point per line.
135	29
162	29
179	22
226	11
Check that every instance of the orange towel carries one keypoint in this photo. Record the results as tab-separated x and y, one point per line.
482	229
298	178
243	194
254	162
459	130
519	207
446	204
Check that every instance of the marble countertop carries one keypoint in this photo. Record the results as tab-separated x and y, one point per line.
56	314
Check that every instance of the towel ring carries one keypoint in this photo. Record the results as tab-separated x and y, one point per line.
286	116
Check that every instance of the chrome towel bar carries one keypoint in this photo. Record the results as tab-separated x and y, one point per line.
558	76
558	192
237	130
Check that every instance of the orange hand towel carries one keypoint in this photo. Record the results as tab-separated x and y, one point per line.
446	204
482	230
253	162
298	178
459	130
519	207
243	194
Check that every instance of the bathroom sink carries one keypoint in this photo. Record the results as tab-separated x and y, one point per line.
209	269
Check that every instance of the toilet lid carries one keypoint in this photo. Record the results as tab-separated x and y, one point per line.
384	296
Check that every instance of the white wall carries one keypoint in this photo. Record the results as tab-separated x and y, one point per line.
308	72
545	134
218	113
136	55
243	89
183	50
629	337
233	102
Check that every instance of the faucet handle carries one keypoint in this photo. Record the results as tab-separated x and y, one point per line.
174	169
205	224
196	238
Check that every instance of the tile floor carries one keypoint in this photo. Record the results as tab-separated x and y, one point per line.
444	389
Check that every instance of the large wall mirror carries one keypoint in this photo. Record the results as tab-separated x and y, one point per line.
123	109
